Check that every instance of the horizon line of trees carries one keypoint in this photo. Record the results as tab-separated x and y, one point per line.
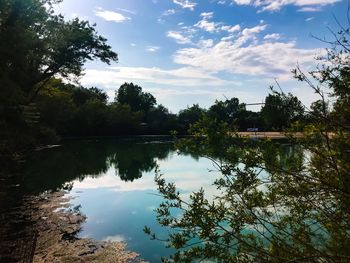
69	110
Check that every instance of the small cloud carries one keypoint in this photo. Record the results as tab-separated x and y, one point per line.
309	19
179	38
127	11
231	29
152	48
228	38
205	24
133	44
185	4
111	16
310	9
242	2
207	15
181	24
169	12
272	36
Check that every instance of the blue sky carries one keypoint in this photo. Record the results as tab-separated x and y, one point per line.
196	51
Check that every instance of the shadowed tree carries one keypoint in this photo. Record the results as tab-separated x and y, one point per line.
36	45
281	110
132	95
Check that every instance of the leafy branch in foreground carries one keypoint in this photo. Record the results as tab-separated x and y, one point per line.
274	202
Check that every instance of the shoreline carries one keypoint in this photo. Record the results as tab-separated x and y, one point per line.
50	236
58	224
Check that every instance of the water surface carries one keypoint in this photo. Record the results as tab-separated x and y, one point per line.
112	183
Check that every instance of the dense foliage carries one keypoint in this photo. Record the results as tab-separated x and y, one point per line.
35	46
269	206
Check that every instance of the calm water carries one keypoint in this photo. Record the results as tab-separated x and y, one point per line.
113	184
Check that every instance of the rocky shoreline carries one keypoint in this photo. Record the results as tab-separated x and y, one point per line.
52	235
58	226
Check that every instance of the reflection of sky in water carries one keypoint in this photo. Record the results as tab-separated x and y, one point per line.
118	210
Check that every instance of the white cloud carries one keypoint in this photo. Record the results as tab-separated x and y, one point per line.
228	38
168	12
207	15
272	36
212	27
309	19
310	9
275	5
231	29
113	77
111	15
205	24
242	2
249	34
127	11
246	54
206	43
179	38
152	48
185	4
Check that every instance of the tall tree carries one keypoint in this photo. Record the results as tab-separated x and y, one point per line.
281	110
132	95
35	45
190	116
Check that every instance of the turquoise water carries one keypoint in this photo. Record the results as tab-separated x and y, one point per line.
112	183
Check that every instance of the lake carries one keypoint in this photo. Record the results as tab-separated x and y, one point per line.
112	183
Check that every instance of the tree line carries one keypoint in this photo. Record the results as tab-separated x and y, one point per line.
71	110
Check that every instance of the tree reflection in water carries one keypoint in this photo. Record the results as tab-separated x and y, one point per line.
53	169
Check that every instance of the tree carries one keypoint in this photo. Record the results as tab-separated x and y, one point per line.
227	111
122	120
190	116
132	95
281	110
36	45
297	212
82	95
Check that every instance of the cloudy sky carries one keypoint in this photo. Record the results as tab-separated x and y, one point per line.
196	51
